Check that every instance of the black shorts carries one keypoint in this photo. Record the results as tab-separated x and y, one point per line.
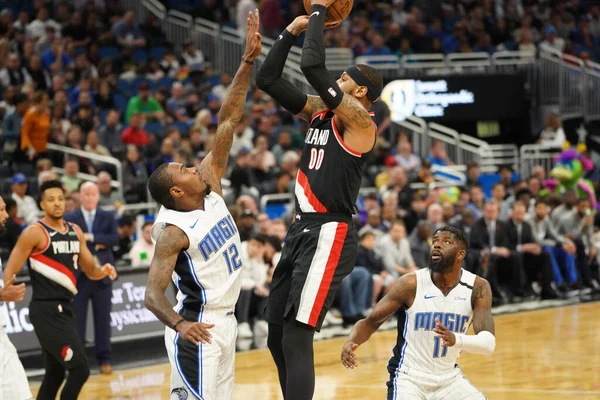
54	323
320	251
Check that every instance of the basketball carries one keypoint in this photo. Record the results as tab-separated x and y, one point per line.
336	12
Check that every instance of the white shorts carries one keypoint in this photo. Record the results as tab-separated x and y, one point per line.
13	381
204	372
409	384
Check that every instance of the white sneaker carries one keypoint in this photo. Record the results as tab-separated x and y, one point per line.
244	331
261	333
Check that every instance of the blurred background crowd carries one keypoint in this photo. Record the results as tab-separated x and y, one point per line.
91	76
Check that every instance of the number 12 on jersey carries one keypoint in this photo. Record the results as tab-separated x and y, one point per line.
232	258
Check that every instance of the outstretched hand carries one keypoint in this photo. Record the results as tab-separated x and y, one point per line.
348	357
253	37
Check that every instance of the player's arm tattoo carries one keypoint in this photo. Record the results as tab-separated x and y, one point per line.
230	115
401	295
314	104
168	247
482	306
354	116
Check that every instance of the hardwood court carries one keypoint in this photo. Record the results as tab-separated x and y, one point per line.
545	354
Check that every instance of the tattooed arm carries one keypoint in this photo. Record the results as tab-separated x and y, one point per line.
170	243
232	108
482	306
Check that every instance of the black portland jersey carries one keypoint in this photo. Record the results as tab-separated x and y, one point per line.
52	269
330	172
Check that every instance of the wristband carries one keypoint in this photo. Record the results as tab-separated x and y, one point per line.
247	61
177	323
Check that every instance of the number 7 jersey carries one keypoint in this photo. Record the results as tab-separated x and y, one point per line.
330	173
207	274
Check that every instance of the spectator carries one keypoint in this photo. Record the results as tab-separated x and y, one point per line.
55	60
407	159
13	74
70	179
92	145
263	158
473	173
368	258
77	31
169	64
553	134
223	87
378	47
536	262
254	276
499	194
435	216
354	295
13	228
143	249
109	197
134	134
37	27
477	200
492	237
45	43
192	57
126	32
152	32
100	233
399	186
126	229
110	133
178	102
552	41
145	104
11	125
135	176
373	224
27	207
420	244
36	127
437	154
394	250
40	77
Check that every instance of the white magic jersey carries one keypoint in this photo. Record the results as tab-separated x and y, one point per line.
418	347
207	274
3	308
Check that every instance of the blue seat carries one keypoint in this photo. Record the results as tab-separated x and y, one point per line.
154	127
120	102
108	52
80	50
140	56
102	116
34	190
165	82
183	127
125	87
157	53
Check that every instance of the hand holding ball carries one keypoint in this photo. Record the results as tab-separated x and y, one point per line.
336	12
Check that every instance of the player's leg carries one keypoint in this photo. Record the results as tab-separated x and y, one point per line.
276	302
457	387
13	381
226	336
80	302
53	377
193	368
325	258
404	388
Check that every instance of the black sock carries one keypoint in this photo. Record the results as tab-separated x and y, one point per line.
274	342
53	378
75	381
299	360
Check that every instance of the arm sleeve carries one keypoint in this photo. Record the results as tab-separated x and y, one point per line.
483	343
312	62
269	77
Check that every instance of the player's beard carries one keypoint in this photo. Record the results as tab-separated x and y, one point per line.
443	264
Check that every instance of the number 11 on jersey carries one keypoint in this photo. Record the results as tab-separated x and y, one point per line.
437	344
232	258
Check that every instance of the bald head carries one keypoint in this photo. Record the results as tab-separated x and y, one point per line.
90	195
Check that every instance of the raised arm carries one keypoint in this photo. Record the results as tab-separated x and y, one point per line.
401	295
269	77
87	263
31	239
484	341
232	108
354	116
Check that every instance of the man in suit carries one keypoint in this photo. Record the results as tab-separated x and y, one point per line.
535	261
491	237
100	233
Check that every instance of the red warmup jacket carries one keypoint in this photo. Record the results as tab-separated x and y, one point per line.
139	137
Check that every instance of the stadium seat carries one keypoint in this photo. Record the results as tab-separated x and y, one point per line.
102	116
5	171
140	56
80	50
165	82
135	85
183	127
157	53
108	52
120	102
154	127
34	190
124	86
5	187
26	169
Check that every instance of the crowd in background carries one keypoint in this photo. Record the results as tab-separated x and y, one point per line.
59	84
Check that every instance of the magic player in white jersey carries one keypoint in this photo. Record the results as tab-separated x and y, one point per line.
197	246
13	381
439	304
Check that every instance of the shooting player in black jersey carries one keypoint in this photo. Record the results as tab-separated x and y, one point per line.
322	244
55	249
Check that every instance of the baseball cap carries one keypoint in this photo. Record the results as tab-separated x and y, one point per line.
144	86
18	178
550	30
212	97
390	161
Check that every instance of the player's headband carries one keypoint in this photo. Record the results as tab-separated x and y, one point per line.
373	92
